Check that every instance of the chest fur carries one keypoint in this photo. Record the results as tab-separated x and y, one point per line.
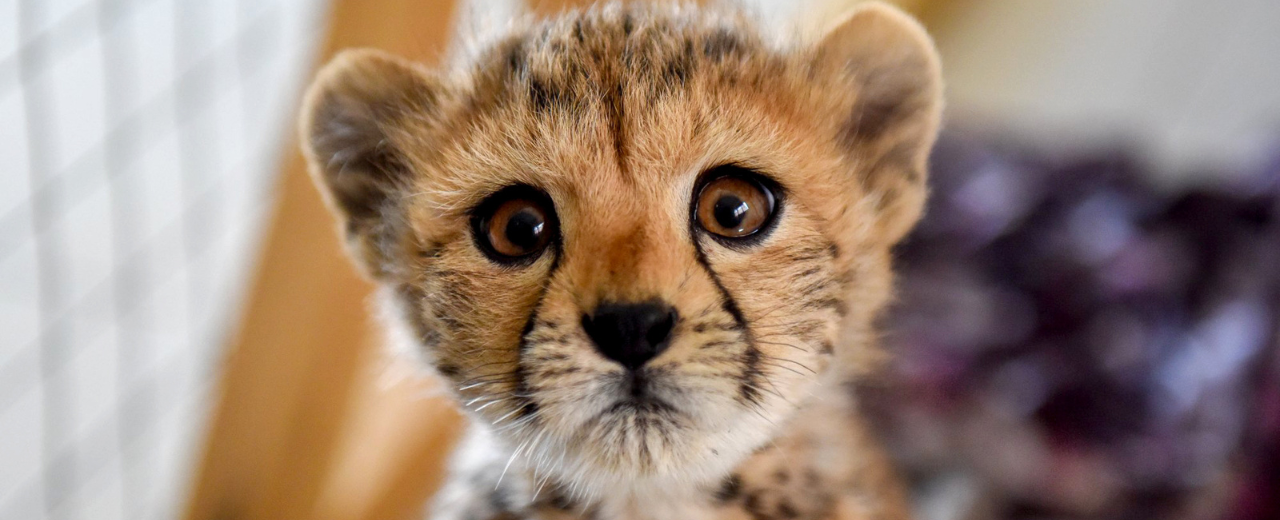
824	467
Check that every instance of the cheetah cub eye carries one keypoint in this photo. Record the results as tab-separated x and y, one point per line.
514	225
735	205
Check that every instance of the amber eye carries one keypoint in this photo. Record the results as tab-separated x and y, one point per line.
735	204
514	225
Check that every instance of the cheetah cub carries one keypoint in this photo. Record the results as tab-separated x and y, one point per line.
645	248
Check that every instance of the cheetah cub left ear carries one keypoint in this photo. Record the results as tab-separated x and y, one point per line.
365	108
891	83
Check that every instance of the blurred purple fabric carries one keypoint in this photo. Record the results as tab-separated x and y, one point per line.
1077	343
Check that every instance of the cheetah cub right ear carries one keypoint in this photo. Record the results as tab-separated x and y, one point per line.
893	105
364	110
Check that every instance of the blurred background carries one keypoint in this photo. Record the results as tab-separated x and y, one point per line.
1089	321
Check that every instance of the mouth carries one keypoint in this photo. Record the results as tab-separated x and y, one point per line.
638	396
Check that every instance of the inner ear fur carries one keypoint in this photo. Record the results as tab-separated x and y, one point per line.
353	128
888	71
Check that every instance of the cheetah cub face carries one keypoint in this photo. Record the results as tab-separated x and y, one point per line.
634	240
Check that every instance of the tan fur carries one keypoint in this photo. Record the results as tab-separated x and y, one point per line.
614	112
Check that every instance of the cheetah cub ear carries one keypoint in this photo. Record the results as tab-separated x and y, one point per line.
357	122
891	106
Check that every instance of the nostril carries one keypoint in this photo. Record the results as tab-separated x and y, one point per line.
630	333
660	330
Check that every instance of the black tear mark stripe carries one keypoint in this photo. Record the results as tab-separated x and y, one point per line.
526	403
751	374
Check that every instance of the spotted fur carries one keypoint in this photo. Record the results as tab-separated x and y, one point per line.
614	112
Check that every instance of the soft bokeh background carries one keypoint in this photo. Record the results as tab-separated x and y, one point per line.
1089	315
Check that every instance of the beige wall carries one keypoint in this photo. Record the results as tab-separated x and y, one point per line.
1190	81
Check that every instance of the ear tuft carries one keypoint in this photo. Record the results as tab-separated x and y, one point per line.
895	98
352	126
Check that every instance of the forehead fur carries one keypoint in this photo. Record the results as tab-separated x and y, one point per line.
622	94
619	57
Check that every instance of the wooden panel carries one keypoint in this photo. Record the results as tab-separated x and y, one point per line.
301	367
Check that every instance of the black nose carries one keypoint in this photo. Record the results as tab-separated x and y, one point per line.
630	333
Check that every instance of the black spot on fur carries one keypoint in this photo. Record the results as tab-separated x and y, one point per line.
628	24
448	370
730	489
516	59
678	68
544	95
786	510
721	44
754	505
557	498
355	227
827	348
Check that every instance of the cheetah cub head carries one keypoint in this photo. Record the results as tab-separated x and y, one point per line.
634	240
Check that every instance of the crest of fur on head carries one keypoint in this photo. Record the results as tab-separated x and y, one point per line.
608	122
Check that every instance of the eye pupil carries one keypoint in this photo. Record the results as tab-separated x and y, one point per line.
730	210
735	204
524	229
